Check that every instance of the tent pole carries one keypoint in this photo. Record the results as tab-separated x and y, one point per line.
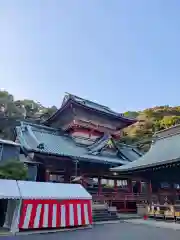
15	222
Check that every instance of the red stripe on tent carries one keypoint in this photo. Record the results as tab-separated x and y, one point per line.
41	217
22	215
50	215
82	214
75	214
58	216
67	215
33	215
90	211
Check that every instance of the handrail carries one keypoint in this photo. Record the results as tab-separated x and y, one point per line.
129	196
123	197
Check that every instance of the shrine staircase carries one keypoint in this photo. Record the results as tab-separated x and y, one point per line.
102	213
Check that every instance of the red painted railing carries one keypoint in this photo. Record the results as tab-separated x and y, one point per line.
120	197
132	197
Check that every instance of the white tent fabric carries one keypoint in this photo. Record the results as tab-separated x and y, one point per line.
17	191
11	209
12	189
9	189
47	190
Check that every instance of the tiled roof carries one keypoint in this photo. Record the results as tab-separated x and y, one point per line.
164	150
54	142
130	152
100	108
70	98
32	136
94	105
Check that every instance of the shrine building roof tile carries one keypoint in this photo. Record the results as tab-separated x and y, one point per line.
91	105
163	151
47	140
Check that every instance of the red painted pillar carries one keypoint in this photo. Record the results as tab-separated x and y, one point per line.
115	186
130	186
140	187
150	186
67	178
99	186
47	175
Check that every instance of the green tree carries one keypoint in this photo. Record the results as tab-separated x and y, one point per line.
13	170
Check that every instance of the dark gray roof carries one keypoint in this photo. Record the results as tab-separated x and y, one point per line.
94	105
31	136
163	150
70	98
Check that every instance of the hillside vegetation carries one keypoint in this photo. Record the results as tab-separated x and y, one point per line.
149	120
26	108
11	110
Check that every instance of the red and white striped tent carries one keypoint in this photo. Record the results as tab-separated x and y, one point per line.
46	205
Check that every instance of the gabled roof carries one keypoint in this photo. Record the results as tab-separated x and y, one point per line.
163	151
42	139
70	98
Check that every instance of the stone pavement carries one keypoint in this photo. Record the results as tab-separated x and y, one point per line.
116	231
154	223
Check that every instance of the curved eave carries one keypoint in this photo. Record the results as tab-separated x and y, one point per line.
76	158
162	152
147	167
71	101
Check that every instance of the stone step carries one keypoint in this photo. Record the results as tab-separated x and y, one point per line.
104	216
97	213
104	219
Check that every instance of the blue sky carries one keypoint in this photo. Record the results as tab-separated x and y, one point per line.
121	53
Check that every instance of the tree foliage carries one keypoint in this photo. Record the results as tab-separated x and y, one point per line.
20	109
150	121
13	170
26	108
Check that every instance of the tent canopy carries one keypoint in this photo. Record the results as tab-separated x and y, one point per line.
12	189
48	190
9	189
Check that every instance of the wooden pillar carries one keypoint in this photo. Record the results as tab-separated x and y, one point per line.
140	187
99	186
83	182
47	173
125	205
150	187
130	186
67	177
115	186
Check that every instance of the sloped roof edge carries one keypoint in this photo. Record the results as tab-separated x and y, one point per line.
164	150
57	143
71	100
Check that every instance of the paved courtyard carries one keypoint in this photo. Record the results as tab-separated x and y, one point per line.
118	231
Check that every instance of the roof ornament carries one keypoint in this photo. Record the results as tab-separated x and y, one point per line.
105	142
41	146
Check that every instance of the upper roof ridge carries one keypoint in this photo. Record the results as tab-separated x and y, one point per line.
168	132
75	97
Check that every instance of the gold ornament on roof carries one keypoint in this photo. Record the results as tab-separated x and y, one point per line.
110	143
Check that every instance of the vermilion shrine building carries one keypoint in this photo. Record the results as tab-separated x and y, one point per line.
79	143
158	169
